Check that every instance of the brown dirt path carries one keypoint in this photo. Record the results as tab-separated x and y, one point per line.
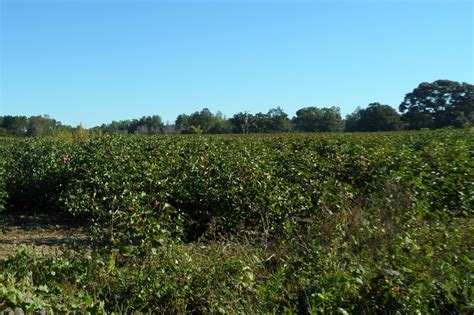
42	233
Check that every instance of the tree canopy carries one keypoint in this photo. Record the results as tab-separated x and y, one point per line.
430	105
439	104
376	117
29	126
203	122
147	125
275	120
311	119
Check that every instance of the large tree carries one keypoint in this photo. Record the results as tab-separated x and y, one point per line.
147	125
41	126
310	119
182	123
277	120
242	122
220	124
352	120
203	122
376	117
439	104
15	125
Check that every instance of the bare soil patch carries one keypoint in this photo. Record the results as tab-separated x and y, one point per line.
43	233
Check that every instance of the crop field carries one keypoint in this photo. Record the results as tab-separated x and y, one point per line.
276	223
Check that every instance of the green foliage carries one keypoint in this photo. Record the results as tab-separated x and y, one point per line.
203	122
15	125
147	125
230	183
310	119
439	104
37	170
41	126
242	122
358	261
276	120
366	261
376	117
356	223
33	126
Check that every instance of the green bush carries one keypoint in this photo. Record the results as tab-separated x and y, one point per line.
36	172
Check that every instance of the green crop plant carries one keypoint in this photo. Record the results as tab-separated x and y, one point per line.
309	223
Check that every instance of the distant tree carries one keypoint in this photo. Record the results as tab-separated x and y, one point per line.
376	117
203	122
277	120
261	123
351	121
116	127
197	122
242	122
15	125
220	124
147	125
332	120
203	119
182	123
311	119
438	104
41	126
169	129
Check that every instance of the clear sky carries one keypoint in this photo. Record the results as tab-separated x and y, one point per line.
97	61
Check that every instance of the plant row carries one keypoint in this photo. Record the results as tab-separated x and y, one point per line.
356	262
361	223
140	187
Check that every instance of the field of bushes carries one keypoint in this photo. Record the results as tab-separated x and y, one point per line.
292	223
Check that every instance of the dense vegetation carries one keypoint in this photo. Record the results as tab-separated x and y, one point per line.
377	222
442	103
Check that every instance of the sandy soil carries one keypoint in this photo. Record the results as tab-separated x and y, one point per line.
43	233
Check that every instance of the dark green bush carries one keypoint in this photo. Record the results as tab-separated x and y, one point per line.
36	172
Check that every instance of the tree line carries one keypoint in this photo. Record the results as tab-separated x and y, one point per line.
33	126
438	104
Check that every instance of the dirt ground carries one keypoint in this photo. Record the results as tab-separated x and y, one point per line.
42	233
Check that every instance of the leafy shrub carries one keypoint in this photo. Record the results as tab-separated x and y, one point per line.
37	170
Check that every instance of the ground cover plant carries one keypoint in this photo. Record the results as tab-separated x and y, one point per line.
308	223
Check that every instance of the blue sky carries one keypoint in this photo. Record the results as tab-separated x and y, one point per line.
97	61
